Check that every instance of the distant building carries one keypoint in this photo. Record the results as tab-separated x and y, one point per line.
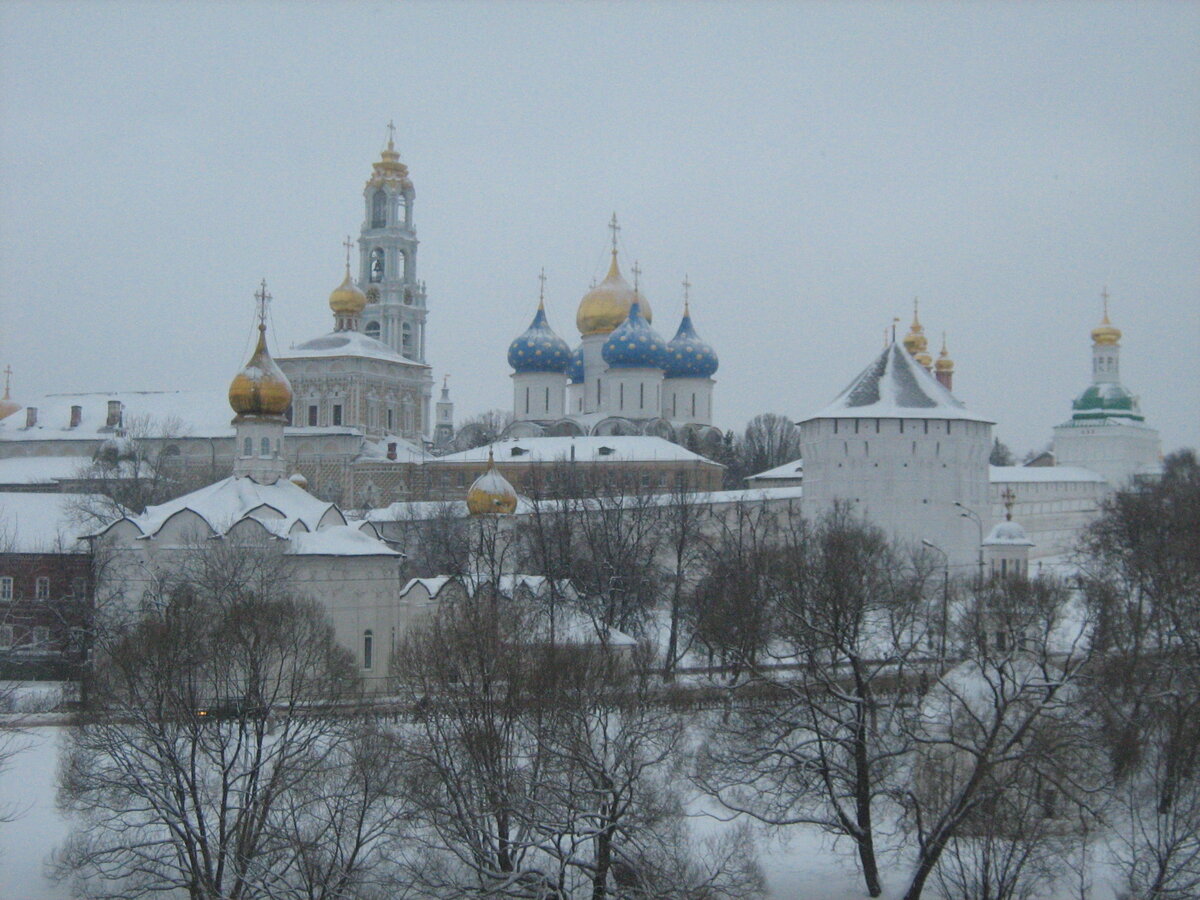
45	587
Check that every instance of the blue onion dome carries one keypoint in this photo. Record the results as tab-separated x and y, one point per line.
688	356
635	345
575	366
539	349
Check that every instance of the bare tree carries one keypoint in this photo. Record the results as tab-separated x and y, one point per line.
483	429
841	612
195	773
1141	560
1003	730
769	440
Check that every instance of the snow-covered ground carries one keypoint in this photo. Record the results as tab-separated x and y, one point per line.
805	864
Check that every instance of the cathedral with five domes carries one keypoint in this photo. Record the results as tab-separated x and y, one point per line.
623	378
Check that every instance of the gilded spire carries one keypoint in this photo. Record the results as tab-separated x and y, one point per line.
944	362
1106	333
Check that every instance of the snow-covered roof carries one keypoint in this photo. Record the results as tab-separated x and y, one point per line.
338	540
406	451
346	343
896	386
788	471
1007	534
41	469
623	448
40	523
225	503
154	414
1040	474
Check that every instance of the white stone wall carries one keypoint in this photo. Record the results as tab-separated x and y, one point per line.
905	475
1118	451
538	396
688	400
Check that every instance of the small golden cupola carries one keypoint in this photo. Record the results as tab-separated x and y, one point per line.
260	388
347	301
606	306
8	406
1106	334
491	493
915	341
944	367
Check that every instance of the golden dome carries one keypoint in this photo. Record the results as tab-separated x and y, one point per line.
915	341
606	305
1106	333
260	389
347	299
924	360
389	169
490	493
944	362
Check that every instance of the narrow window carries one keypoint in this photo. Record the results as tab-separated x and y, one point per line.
312	414
390	417
597	391
856	426
41	588
6	637
265	447
368	649
947	426
642	396
835	426
6	588
877	426
379	210
376	272
248	447
621	395
674	405
693	406
547	399
526	401
337	414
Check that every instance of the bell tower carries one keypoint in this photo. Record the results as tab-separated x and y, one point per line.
395	311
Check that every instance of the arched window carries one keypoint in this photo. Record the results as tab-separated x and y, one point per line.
368	649
379	210
401	210
265	447
248	447
372	330
406	338
377	264
402	264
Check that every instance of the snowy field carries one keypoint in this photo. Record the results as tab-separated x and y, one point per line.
805	865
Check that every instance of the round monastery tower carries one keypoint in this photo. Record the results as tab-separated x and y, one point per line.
902	451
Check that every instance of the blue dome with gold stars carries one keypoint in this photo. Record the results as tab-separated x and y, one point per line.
635	345
687	355
539	349
575	366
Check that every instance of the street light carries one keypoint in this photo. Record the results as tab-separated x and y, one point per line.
945	597
968	513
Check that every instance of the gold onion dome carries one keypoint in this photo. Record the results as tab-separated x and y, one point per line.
606	306
490	493
924	360
1106	333
260	389
944	362
347	299
915	341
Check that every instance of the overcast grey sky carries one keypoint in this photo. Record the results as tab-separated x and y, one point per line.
811	167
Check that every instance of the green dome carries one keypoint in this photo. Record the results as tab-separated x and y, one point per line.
1106	401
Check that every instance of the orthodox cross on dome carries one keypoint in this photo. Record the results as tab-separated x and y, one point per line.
446	382
7	378
687	287
614	228
263	299
347	244
1104	297
1009	497
637	273
391	129
542	289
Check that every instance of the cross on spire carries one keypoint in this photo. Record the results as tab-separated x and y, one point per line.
542	288
614	228
1104	296
263	299
687	287
391	127
347	244
637	273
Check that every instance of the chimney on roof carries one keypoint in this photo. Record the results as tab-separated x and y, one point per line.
114	414
76	416
391	454
30	416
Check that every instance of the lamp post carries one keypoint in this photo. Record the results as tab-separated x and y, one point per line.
945	598
968	513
